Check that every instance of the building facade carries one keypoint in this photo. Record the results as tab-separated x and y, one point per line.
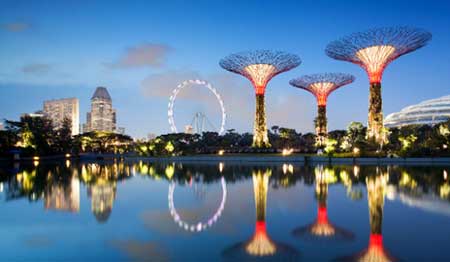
59	109
102	116
428	112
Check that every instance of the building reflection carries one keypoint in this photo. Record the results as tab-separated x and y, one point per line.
102	186
63	197
322	228
260	244
102	194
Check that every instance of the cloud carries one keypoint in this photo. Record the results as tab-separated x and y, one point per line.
36	69
16	26
144	55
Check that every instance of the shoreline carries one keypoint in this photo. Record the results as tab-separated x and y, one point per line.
247	159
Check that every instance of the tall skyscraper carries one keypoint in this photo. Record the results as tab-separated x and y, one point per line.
102	116
59	109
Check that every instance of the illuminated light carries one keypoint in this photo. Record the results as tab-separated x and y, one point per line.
189	83
67	155
170	171
260	75
260	244
169	147
221	152
444	146
375	59
1	187
356	171
321	90
287	151
67	163
445	174
373	50
321	86
36	158
288	168
444	191
36	163
221	166
356	150
285	168
260	66
199	226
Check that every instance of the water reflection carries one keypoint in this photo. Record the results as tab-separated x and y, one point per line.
376	190
322	228
63	197
202	225
260	244
423	191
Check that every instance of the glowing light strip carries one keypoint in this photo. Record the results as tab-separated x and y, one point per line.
177	90
321	90
375	59
260	74
200	226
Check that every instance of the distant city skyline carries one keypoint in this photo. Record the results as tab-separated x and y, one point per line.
140	52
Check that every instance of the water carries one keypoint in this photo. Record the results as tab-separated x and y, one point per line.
223	211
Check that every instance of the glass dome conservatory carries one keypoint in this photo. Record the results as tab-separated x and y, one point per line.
428	112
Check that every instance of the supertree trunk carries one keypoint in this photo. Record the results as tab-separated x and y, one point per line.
260	138
260	186
375	191
375	123
321	124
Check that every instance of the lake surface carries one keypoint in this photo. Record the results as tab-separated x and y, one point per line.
221	211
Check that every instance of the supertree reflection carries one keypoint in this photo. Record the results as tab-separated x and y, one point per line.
260	244
322	228
376	190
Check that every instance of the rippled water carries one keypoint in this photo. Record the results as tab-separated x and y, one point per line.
223	211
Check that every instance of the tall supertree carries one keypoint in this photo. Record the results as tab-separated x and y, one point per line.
321	86
259	67
373	50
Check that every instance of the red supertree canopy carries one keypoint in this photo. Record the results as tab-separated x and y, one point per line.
376	48
321	85
260	66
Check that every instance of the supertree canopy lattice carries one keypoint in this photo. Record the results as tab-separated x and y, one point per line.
373	50
321	86
259	67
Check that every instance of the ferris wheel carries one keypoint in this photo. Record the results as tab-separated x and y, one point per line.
190	83
202	225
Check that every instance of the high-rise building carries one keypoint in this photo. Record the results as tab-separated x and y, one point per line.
59	109
102	116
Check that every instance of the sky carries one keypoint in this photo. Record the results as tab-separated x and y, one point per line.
141	50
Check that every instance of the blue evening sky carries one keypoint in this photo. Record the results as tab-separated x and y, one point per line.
140	50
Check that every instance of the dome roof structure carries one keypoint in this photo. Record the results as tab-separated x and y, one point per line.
428	112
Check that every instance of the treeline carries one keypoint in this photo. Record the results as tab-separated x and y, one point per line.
33	136
38	136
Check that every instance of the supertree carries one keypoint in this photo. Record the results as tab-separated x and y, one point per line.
259	67
321	86
373	50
